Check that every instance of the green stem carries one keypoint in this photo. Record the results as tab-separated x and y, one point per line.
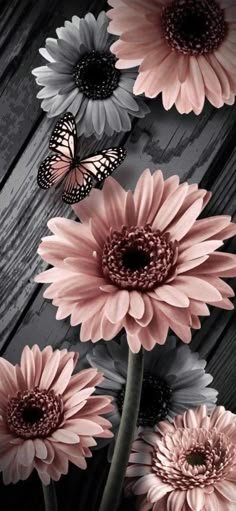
115	480
50	498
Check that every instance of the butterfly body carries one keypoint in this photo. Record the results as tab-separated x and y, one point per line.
79	174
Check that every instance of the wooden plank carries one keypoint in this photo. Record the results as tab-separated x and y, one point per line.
24	26
186	145
223	201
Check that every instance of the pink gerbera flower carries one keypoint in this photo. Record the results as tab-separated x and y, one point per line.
47	416
189	465
139	261
185	49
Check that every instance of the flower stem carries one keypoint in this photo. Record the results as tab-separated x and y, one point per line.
50	498
115	480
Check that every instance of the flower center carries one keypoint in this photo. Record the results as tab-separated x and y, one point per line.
194	27
138	258
155	401
195	458
34	413
96	75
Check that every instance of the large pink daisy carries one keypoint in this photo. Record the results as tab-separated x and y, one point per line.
185	49
47	416
138	260
189	465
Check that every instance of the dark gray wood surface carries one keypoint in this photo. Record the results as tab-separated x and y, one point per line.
200	149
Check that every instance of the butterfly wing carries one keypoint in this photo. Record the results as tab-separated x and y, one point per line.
52	170
77	186
98	166
101	164
64	136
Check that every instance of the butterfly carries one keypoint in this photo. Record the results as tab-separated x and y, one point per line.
79	175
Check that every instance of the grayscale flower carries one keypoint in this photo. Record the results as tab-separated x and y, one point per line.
80	76
174	381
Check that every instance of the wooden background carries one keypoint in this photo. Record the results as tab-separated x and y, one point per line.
200	149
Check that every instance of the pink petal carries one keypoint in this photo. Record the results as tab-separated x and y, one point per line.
196	288
143	196
50	370
223	304
109	330
148	313
117	306
85	309
169	94
172	295
176	500
133	343
137	307
65	436
195	499
195	90
186	221
8	376
199	308
87	427
183	67
61	382
26	453
156	493
91	206
227	489
189	265
221	75
115	196
158	188
204	229
200	249
228	232
7	457
170	185
130	215
159	326
212	502
190	420
219	262
209	76
144	484
146	338
223	288
183	332
40	449
170	208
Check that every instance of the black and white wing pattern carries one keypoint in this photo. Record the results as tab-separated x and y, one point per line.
77	185
52	170
102	163
64	136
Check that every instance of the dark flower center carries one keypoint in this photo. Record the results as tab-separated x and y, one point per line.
96	75
194	27
138	258
34	413
195	459
155	401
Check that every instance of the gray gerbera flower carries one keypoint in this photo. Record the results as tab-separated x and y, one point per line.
174	381
80	76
